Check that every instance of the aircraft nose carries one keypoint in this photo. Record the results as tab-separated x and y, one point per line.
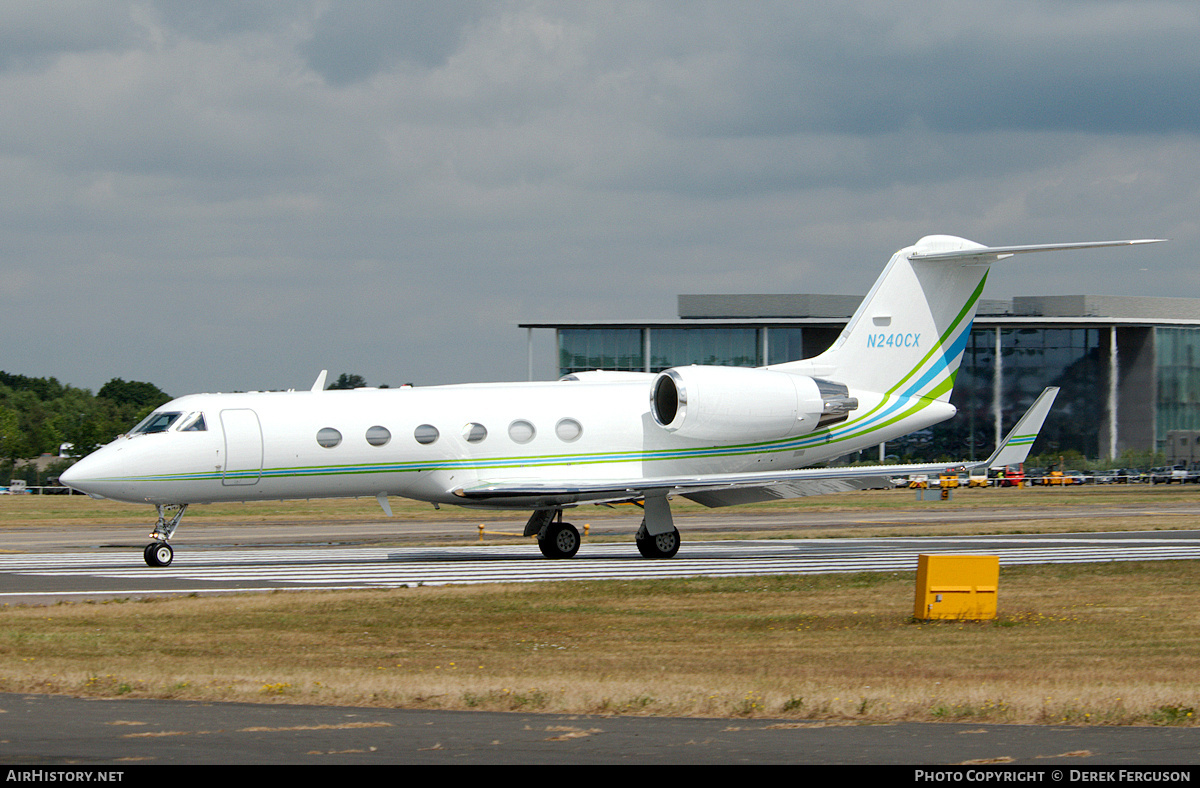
88	474
74	477
118	471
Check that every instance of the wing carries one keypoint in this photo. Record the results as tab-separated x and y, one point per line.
1016	445
730	489
726	489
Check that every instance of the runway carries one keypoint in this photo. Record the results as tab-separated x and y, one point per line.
96	574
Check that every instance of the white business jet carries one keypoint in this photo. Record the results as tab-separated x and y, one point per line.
716	435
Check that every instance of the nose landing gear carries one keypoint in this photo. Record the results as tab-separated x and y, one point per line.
158	552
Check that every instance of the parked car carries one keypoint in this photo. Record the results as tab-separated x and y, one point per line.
1131	476
1165	474
1107	477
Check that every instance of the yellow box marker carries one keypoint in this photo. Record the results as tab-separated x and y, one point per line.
957	586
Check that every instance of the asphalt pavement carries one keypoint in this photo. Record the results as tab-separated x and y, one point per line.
131	733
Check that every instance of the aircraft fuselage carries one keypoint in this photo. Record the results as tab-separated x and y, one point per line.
426	443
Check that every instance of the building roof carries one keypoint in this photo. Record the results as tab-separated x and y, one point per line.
841	306
746	309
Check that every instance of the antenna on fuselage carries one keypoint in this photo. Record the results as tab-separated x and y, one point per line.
320	384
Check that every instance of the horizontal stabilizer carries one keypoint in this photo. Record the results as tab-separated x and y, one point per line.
990	254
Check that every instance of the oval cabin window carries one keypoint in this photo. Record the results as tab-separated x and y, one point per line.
568	430
328	437
521	431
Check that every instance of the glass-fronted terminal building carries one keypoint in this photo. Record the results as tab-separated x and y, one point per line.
1128	367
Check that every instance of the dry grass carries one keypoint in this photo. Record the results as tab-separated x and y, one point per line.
1080	644
75	510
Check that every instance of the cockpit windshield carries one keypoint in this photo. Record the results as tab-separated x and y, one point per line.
193	423
155	422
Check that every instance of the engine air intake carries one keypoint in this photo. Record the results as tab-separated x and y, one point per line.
739	403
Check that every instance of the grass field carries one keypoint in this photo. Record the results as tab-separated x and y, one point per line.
1079	644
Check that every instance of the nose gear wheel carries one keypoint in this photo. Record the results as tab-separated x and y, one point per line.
158	554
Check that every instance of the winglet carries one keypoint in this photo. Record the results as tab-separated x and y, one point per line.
320	384
1016	445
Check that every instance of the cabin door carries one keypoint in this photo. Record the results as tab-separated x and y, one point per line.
243	447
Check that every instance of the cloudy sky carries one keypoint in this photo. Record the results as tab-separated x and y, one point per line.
235	195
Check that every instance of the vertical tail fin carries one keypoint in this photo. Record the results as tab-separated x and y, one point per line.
908	335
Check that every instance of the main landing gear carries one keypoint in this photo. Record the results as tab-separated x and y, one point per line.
657	537
556	539
664	545
158	552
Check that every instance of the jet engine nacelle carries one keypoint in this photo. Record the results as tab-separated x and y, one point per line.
739	403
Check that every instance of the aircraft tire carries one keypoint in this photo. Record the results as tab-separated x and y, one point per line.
661	546
158	554
561	540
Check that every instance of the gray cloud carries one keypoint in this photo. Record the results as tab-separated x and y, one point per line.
32	34
235	195
356	39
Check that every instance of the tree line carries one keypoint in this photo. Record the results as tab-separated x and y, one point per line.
38	415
